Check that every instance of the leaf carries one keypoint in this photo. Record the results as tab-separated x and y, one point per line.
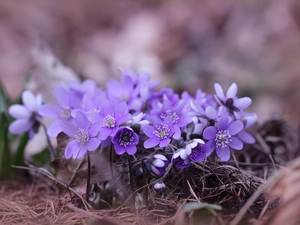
200	205
5	168
74	172
202	213
285	185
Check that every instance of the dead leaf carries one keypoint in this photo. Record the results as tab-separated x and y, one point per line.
286	186
74	172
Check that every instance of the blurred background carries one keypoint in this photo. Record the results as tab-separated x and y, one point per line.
187	44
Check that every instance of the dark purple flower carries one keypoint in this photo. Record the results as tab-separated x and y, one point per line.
27	116
181	159
125	140
230	101
157	164
224	136
197	150
112	116
84	135
160	133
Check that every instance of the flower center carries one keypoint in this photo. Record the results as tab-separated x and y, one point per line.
82	136
65	113
223	138
110	121
173	115
126	138
162	131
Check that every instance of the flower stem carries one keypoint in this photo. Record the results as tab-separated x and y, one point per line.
112	170
130	173
185	182
48	141
145	183
88	182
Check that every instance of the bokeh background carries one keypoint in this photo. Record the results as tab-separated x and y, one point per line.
187	44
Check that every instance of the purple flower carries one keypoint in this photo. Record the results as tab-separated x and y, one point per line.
157	164
178	118
160	133
67	100
160	186
224	136
197	150
230	101
125	140
84	135
181	158
27	116
112	116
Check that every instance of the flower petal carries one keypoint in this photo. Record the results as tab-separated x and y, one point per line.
211	112
149	130
219	92
19	112
210	133
72	149
245	137
120	150
232	90
164	142
151	142
223	153
131	149
20	126
242	103
235	127
223	122
92	144
51	111
82	121
29	101
236	143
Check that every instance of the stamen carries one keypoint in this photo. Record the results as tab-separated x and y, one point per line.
223	138
110	121
82	136
162	131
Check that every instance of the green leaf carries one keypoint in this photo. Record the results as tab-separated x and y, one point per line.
203	213
18	158
5	169
199	205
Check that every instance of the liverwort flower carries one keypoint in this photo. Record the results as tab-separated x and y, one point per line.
160	133
125	140
224	137
27	116
197	150
160	186
112	116
181	158
84	135
157	164
175	112
230	101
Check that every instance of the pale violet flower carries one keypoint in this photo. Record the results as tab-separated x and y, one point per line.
26	115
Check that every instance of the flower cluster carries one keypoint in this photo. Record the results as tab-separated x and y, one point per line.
133	116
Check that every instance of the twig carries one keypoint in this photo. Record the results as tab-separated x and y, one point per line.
130	173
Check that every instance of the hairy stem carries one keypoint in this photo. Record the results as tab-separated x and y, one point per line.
130	173
48	141
88	182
